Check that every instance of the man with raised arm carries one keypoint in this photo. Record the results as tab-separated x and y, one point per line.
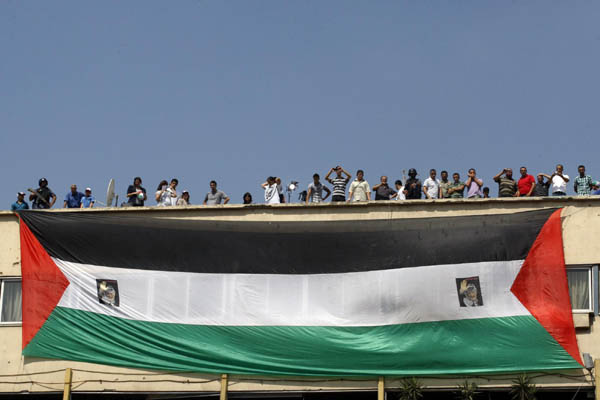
559	181
339	182
474	185
507	186
382	190
541	187
271	191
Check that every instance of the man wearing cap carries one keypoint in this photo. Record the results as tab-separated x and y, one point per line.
87	201
73	198
42	197
20	204
184	200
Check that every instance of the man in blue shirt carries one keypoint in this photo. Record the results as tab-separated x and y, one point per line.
88	200
20	204
73	198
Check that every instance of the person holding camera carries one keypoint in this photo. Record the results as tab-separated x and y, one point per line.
559	181
507	186
382	190
474	185
339	183
271	191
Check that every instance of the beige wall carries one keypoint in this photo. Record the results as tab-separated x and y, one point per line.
581	230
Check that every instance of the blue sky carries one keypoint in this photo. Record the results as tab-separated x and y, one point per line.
239	90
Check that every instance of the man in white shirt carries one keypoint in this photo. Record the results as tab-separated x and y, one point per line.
559	182
271	191
400	194
359	189
431	186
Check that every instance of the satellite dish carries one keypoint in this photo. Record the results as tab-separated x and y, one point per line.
110	193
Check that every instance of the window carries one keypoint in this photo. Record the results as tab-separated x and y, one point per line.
10	301
580	288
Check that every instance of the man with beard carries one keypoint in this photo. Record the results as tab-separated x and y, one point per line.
507	187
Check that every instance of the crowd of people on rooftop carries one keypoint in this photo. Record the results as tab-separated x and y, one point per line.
410	188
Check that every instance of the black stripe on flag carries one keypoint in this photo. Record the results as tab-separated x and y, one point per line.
283	247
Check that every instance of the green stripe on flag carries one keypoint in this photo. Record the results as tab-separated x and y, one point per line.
469	346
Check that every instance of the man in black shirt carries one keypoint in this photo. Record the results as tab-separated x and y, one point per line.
541	189
42	197
413	185
382	190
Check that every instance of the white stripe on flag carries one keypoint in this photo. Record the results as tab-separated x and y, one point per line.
385	297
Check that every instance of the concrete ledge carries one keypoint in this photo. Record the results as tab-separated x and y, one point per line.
512	202
581	320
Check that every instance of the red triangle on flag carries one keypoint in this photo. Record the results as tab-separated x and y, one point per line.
542	287
43	284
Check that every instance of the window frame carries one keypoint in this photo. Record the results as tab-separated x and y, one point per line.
9	279
592	290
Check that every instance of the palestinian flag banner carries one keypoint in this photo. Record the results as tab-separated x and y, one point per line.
424	296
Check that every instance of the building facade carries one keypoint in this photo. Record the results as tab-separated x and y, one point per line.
22	375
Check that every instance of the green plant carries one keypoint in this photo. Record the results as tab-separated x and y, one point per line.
523	388
467	391
411	389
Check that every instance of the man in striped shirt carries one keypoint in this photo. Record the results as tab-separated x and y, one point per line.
339	183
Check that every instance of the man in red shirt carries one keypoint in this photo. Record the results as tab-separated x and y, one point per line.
526	183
